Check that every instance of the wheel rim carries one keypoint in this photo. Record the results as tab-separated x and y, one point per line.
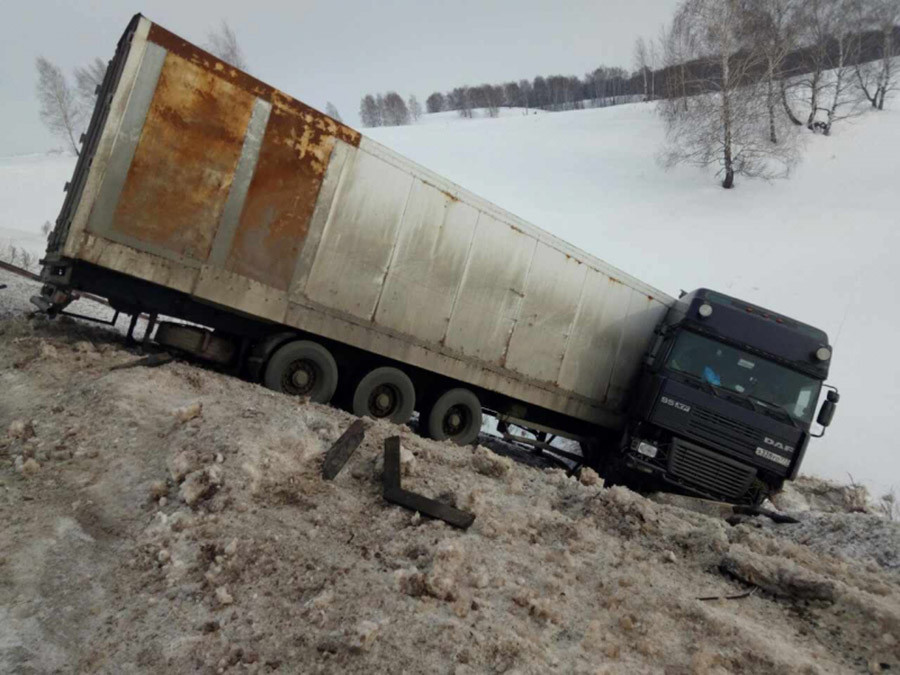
383	401
456	419
300	377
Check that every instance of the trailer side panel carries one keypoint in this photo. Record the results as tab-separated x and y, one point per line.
210	182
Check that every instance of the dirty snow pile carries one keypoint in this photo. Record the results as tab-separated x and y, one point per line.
174	520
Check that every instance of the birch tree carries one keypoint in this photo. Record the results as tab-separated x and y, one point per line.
415	108
771	25
842	96
59	108
878	78
813	21
395	111
369	113
641	63
725	124
87	81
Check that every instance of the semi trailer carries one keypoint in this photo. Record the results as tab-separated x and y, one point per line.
295	252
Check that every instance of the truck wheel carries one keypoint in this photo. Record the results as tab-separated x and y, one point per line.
456	416
385	393
303	368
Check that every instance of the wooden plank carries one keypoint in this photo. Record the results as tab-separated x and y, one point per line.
394	493
343	448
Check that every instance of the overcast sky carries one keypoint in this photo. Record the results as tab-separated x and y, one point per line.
335	50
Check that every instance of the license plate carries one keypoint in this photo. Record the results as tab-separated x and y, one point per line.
771	456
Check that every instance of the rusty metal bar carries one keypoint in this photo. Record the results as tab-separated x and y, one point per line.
343	449
394	493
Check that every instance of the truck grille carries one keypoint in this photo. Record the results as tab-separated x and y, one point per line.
709	471
723	431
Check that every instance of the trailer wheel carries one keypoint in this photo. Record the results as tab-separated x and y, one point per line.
385	393
303	368
456	416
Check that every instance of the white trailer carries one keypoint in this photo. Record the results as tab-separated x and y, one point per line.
205	194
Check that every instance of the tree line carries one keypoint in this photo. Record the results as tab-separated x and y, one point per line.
603	86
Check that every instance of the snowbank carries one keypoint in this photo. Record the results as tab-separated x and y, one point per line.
175	519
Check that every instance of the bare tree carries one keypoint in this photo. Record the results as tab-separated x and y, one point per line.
843	98
332	111
676	51
461	101
60	111
878	78
725	124
813	17
224	45
435	103
369	111
641	63
395	111
87	83
771	26
415	108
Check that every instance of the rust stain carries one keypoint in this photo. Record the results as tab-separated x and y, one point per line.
614	280
452	197
281	199
184	162
279	100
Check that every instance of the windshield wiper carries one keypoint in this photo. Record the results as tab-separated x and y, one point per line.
775	406
709	386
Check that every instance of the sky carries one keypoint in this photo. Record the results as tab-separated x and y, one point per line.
336	50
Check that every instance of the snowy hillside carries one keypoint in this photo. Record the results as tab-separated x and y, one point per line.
818	246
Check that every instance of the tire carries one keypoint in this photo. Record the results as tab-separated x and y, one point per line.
459	404
303	368
385	393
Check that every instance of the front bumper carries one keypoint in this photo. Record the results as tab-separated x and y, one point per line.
696	469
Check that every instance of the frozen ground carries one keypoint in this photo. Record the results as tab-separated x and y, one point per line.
174	520
820	247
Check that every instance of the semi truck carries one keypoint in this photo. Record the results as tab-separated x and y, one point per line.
293	251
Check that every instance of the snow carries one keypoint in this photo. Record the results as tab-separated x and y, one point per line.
818	246
31	192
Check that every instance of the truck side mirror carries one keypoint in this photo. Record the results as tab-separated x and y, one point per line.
826	414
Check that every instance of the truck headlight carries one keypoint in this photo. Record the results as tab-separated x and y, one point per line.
647	449
823	353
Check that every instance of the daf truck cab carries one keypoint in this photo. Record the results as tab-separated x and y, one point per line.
725	402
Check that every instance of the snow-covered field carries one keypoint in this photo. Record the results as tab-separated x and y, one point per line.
819	246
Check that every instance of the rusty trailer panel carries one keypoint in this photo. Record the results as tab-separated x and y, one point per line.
208	181
184	163
280	200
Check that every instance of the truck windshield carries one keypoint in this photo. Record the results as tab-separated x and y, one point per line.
733	369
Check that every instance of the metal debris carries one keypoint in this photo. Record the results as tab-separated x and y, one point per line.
343	449
151	361
394	493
